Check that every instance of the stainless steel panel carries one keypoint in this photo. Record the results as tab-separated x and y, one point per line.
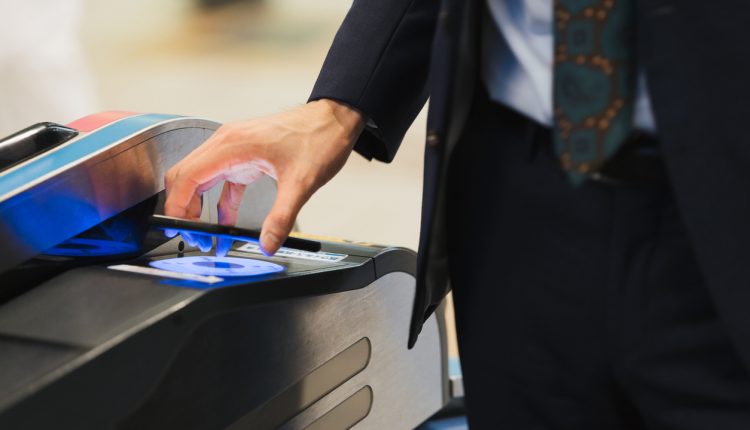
256	204
407	385
52	209
236	361
321	381
346	414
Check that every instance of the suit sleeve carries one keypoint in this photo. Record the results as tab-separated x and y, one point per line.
378	63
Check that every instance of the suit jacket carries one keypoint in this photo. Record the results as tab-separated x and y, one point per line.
390	55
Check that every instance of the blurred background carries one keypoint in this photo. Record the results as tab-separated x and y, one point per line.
217	59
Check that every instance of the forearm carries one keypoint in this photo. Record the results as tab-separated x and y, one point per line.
379	63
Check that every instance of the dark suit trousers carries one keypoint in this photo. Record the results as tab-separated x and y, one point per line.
578	308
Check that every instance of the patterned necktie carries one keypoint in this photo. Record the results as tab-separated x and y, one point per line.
594	82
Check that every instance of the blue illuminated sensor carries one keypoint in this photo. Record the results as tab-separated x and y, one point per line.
209	265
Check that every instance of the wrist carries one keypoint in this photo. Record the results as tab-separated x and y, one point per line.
347	117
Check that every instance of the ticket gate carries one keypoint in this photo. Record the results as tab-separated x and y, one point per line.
106	323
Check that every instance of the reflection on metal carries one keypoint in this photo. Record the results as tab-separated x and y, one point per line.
347	414
310	389
259	197
89	179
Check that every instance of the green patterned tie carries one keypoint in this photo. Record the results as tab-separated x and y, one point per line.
594	82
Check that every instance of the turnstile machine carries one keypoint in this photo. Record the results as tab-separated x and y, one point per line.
105	323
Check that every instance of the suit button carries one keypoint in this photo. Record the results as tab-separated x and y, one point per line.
432	138
443	16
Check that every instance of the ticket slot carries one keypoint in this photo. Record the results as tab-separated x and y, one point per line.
32	141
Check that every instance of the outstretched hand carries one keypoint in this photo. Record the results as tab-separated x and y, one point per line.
302	149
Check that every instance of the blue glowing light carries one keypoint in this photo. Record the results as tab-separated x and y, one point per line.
84	247
209	265
61	207
218	264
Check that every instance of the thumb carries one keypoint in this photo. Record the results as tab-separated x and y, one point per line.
280	220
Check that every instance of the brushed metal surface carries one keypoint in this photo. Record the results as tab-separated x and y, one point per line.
310	389
216	367
257	353
57	206
407	385
346	414
256	203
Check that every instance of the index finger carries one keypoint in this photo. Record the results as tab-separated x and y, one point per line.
192	176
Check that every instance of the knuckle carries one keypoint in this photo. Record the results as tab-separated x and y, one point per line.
229	132
228	206
174	173
170	208
170	175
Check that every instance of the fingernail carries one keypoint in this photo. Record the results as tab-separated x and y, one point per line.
271	241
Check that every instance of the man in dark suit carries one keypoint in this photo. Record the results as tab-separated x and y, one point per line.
585	192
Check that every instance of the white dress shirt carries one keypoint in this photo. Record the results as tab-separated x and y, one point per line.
517	50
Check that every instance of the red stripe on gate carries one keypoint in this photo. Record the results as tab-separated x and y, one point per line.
99	120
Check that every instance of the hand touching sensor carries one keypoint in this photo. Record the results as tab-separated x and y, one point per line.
302	149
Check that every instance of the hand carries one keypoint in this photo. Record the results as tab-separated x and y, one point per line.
302	149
